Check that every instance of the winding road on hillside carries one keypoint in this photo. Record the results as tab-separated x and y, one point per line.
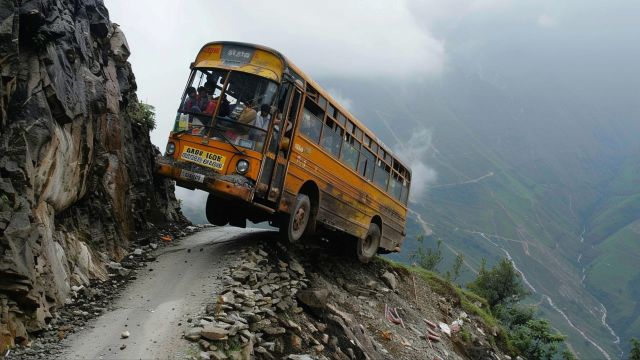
155	307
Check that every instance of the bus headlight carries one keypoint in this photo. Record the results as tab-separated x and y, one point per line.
242	166
171	148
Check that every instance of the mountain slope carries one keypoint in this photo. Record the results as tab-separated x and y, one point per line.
542	180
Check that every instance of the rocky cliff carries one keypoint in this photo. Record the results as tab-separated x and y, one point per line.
76	180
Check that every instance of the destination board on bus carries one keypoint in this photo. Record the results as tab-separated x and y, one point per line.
240	58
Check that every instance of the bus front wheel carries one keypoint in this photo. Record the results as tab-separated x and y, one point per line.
298	221
367	247
216	211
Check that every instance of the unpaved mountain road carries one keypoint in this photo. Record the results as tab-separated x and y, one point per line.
152	306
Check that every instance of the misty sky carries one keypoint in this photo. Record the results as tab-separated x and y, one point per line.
581	46
351	39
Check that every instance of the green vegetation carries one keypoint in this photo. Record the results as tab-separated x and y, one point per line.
635	349
532	337
142	113
568	355
494	297
500	285
428	259
456	269
470	302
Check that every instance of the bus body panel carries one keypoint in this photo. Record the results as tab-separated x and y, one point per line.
347	201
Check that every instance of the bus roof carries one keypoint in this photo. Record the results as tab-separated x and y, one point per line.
320	89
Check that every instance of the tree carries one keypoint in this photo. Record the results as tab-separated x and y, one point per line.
514	315
534	340
428	259
456	269
635	350
500	285
568	355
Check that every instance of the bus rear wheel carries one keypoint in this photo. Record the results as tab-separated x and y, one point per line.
298	221
367	247
216	211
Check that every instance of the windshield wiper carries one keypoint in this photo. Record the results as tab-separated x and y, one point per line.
215	129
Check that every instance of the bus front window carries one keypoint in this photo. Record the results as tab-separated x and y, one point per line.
247	117
242	109
200	101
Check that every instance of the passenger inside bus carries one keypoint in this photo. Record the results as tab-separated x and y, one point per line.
235	98
263	118
191	101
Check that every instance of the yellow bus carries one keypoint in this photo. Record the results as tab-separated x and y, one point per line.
269	144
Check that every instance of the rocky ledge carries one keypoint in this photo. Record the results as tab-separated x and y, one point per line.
76	163
281	303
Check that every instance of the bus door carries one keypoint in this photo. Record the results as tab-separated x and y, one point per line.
271	178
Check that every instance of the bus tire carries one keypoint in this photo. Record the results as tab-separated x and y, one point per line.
367	247
215	211
299	219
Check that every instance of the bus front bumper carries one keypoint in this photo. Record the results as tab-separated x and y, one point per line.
228	186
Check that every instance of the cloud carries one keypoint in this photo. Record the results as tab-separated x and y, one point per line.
334	38
337	38
413	152
546	21
429	12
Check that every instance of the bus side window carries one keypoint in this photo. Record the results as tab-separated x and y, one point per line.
311	122
349	154
331	137
395	187
366	164
405	192
381	175
310	126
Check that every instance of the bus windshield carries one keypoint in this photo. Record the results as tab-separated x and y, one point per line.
229	106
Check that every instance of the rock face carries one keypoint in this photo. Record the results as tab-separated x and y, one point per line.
76	162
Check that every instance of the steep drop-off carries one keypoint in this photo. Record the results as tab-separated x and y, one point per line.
76	165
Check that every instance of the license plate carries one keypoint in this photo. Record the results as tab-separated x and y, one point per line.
192	176
203	158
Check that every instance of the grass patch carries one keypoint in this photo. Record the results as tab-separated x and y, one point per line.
470	302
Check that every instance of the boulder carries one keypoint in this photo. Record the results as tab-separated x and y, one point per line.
214	333
193	334
390	280
314	298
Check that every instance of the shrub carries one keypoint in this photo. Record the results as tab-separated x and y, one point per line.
635	350
534	340
142	113
500	285
428	259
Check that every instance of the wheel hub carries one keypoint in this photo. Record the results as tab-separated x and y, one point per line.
298	219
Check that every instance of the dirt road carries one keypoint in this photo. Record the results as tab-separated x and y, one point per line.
154	307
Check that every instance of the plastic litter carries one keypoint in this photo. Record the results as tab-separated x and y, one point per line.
456	325
444	328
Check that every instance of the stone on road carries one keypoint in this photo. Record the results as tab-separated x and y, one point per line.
154	306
